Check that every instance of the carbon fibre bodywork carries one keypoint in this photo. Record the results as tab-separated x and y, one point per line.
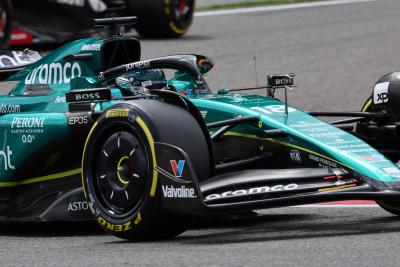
267	159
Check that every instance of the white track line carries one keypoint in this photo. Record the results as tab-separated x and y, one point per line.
339	206
277	7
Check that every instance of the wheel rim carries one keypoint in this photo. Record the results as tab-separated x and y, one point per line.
120	170
182	10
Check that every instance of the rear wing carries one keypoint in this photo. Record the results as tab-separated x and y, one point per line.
12	62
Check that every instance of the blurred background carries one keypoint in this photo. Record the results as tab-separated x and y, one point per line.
338	49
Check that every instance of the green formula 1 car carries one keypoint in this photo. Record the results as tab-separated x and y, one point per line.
152	145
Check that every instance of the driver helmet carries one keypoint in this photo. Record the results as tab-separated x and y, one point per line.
140	82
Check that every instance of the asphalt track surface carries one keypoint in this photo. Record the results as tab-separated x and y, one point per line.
338	52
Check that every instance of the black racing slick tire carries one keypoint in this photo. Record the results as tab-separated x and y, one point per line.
367	105
162	18
365	108
390	206
119	161
5	22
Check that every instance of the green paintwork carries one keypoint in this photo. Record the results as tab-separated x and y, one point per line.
20	137
50	122
304	131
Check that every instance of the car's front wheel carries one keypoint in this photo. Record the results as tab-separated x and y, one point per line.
119	175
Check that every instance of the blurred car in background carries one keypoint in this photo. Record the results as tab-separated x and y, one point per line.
58	21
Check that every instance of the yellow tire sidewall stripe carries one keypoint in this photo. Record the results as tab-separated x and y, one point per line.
367	105
176	29
83	156
150	139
